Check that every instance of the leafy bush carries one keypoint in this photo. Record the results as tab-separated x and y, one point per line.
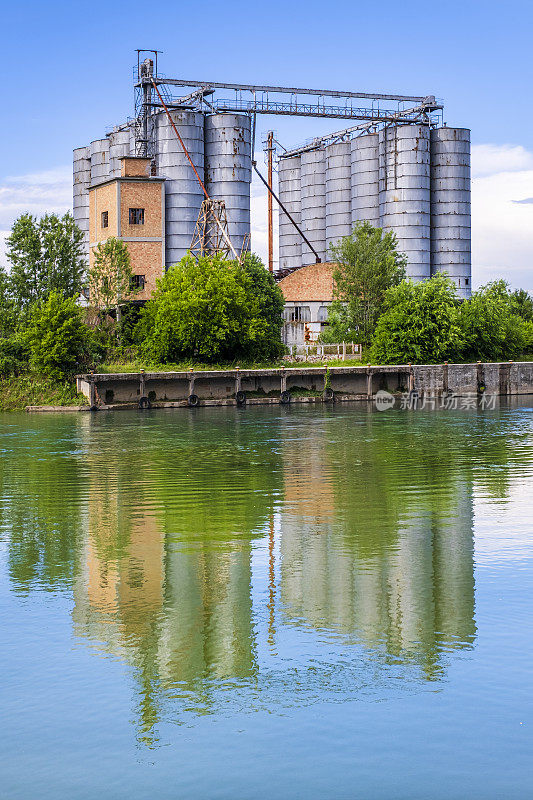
58	340
210	309
492	329
13	355
367	263
420	324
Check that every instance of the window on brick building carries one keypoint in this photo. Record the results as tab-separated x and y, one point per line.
105	219
136	216
297	314
137	282
323	314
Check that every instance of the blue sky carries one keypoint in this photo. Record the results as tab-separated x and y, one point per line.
71	72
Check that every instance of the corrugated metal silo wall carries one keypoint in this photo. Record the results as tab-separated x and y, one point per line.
182	191
450	206
228	170
81	180
313	204
404	193
99	150
365	178
338	193
119	146
290	241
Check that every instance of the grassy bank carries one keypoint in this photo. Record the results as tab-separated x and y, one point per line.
37	390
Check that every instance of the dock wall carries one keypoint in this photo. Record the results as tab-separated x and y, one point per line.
302	384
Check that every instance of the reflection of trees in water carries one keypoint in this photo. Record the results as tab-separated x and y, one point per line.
42	493
152	518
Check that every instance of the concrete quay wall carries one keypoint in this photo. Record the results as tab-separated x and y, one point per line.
302	384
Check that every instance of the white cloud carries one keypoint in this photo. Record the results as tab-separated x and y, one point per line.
488	159
35	193
502	223
502	220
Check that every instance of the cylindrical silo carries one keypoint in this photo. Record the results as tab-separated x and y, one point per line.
365	179
80	190
119	146
404	193
290	241
182	191
228	170
313	209
450	206
338	193
99	160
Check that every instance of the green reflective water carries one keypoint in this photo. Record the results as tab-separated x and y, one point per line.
296	602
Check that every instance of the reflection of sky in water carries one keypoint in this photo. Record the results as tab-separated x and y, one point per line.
237	565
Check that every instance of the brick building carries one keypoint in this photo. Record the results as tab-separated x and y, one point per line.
308	292
131	207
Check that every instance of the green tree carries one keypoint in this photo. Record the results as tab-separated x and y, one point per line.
45	255
522	304
203	309
263	290
367	263
57	338
420	324
111	276
493	331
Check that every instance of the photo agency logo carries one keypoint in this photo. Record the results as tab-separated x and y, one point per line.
412	401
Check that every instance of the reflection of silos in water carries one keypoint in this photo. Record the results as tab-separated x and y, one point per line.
369	591
208	620
229	646
450	206
81	182
183	194
181	654
410	588
119	146
228	164
99	160
454	569
290	247
365	179
338	192
313	207
404	193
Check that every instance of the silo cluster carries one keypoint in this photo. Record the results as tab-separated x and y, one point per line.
406	178
220	148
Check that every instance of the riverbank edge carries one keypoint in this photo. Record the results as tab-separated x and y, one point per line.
311	384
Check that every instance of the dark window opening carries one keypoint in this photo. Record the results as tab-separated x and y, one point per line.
466	281
137	282
297	314
105	219
136	216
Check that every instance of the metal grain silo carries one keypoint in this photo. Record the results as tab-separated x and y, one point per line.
182	191
99	160
404	193
450	206
338	193
313	204
80	190
365	179
290	241
228	170
119	146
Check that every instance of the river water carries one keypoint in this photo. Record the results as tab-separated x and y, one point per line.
305	602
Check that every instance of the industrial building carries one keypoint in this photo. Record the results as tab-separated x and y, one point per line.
399	167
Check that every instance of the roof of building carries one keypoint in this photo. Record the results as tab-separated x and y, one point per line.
311	283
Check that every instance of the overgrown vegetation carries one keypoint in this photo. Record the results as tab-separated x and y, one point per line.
216	313
212	309
367	265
